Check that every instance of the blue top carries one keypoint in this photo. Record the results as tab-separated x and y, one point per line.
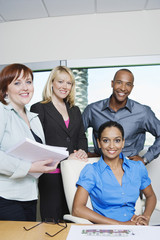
108	197
136	119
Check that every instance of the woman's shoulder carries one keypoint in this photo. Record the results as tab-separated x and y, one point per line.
6	113
1	106
90	167
39	106
4	108
74	108
135	164
89	174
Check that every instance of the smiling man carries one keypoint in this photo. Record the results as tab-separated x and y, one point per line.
136	119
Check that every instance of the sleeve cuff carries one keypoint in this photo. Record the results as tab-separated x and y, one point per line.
22	170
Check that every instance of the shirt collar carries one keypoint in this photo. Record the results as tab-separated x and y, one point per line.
129	105
8	106
30	115
103	165
107	101
125	160
106	104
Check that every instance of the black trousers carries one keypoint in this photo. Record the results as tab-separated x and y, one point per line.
52	199
12	210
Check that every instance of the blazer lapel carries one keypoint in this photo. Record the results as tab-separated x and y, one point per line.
71	116
53	112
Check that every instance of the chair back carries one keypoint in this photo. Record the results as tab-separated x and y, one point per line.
70	170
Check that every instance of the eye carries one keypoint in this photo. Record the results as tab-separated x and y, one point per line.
117	140
118	82
129	84
105	140
69	83
60	81
29	82
17	83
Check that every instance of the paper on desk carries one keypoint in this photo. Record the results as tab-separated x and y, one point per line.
117	232
32	151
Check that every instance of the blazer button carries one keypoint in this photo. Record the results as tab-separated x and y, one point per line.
68	139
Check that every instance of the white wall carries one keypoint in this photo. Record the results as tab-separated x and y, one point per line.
80	37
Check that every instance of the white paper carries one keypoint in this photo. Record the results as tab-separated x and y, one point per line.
32	151
114	232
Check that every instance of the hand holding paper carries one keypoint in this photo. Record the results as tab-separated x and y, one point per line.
47	156
44	166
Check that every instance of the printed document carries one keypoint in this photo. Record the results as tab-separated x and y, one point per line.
113	232
30	150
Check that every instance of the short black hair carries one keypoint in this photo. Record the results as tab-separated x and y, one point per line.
125	70
109	124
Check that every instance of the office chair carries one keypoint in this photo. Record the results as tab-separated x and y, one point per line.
70	170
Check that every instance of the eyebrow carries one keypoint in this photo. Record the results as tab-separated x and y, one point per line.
114	138
123	81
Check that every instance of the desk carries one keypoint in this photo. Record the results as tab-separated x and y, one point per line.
13	230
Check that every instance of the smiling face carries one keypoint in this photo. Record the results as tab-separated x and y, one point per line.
62	85
20	91
111	143
122	85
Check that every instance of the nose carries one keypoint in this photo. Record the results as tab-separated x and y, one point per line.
111	145
24	86
123	86
64	85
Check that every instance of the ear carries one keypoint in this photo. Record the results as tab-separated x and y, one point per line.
123	143
112	83
99	145
132	87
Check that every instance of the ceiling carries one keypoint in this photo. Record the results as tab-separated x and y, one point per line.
14	10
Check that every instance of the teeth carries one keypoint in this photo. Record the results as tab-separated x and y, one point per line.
112	152
121	94
63	91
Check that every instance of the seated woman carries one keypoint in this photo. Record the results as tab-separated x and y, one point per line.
113	183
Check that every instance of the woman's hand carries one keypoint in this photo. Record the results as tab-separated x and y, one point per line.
127	223
79	155
140	220
43	166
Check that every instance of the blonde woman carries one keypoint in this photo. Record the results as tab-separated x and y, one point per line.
63	126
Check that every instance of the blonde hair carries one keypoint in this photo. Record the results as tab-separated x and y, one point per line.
47	91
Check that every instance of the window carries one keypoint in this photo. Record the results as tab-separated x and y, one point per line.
146	87
39	81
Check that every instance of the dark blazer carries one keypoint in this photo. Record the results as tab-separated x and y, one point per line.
55	131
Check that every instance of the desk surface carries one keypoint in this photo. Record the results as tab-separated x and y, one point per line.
12	230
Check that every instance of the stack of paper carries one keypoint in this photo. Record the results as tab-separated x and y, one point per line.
32	151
